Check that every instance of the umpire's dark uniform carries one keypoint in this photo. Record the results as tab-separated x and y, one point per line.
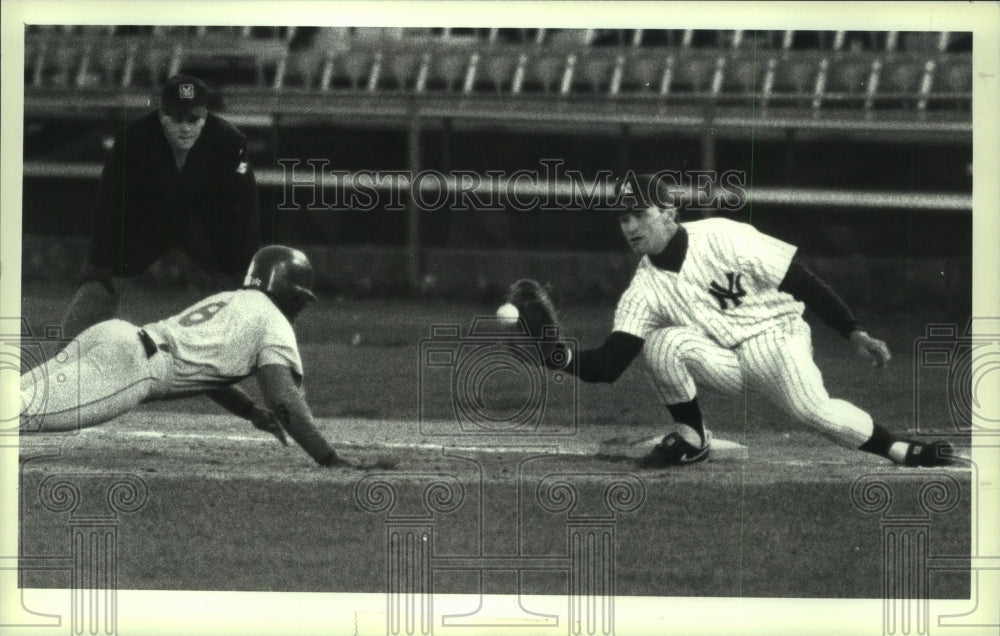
145	205
178	177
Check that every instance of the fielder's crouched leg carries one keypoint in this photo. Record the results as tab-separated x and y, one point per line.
679	360
780	364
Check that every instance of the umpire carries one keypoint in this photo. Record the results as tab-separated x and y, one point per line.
178	177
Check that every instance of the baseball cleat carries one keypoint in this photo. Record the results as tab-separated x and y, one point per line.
673	450
937	453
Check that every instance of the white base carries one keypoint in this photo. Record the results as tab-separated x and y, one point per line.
636	448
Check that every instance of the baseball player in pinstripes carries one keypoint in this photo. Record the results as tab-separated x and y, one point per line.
714	302
114	366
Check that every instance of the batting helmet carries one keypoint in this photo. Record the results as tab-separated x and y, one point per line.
284	274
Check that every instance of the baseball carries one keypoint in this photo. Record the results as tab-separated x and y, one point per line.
507	314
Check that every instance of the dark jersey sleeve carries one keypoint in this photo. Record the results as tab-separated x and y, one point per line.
819	298
607	362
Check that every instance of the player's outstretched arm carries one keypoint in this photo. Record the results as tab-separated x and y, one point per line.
607	362
538	313
820	298
288	403
237	402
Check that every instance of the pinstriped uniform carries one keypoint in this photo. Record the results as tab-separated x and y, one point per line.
721	321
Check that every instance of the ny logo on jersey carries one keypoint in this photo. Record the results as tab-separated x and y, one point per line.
734	292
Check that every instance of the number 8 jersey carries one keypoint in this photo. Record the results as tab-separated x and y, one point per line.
225	338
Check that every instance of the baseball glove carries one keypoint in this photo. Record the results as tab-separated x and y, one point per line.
538	315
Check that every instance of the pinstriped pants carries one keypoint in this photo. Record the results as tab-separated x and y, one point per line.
777	363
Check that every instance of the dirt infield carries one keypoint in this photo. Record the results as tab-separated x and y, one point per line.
228	508
225	507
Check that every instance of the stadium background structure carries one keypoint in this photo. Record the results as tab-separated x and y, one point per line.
911	139
785	106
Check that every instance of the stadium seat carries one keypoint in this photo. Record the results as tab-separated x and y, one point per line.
794	78
953	83
305	68
847	80
694	70
903	76
399	70
108	63
499	71
62	60
849	74
742	74
569	38
544	72
354	67
820	69
643	73
594	72
156	62
34	53
447	69
956	75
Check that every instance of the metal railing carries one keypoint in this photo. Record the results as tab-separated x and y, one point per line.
761	195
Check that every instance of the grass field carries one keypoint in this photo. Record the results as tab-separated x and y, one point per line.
229	509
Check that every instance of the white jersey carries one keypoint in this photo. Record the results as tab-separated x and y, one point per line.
727	286
226	338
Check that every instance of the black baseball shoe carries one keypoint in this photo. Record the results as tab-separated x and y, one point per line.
937	453
673	450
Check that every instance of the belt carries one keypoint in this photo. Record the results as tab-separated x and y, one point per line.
150	346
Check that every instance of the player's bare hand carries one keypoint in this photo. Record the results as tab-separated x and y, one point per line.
871	348
267	421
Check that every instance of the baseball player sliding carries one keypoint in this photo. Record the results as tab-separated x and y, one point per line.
114	366
716	303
